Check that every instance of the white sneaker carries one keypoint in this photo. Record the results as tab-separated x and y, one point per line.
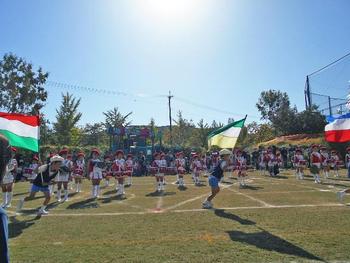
340	195
207	205
43	212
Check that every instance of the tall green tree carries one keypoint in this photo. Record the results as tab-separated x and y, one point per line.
310	121
202	132
67	119
94	134
182	130
274	106
114	118
21	87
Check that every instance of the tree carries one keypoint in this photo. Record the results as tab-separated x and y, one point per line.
67	118
274	106
115	119
271	102
47	135
202	133
94	134
21	88
311	121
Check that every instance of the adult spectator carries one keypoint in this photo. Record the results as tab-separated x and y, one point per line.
5	156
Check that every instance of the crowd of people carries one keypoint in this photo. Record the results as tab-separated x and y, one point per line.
63	172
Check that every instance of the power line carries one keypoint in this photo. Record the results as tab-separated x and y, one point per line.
330	64
142	96
213	109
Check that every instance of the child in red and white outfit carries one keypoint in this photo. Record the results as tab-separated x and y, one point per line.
263	161
118	169
64	175
180	163
315	162
241	164
271	162
157	168
78	171
107	170
129	168
32	171
299	164
197	169
95	166
8	180
335	162
325	162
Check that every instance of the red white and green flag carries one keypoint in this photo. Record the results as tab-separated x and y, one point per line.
21	130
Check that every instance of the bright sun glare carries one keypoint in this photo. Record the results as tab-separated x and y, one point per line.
178	13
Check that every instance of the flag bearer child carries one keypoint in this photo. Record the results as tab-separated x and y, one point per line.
216	175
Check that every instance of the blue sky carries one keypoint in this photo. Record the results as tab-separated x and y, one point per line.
219	53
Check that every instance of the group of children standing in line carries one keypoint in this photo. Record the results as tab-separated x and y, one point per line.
121	166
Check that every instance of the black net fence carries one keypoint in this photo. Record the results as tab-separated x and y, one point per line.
328	87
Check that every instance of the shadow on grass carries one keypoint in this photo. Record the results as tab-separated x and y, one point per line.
252	187
267	241
280	177
17	194
242	221
107	200
161	193
16	227
110	192
88	203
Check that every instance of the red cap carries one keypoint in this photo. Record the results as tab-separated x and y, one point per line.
348	148
36	158
63	151
129	155
13	149
107	156
81	154
119	152
334	151
314	146
95	150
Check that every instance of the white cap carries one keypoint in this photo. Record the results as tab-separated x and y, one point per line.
56	158
225	152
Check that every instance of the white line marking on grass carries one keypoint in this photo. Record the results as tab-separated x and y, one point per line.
252	198
195	198
187	210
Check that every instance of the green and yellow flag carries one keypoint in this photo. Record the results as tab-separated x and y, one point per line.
226	137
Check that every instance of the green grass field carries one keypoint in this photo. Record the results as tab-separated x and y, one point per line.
273	220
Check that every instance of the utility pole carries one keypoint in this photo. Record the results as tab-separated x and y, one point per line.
170	120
